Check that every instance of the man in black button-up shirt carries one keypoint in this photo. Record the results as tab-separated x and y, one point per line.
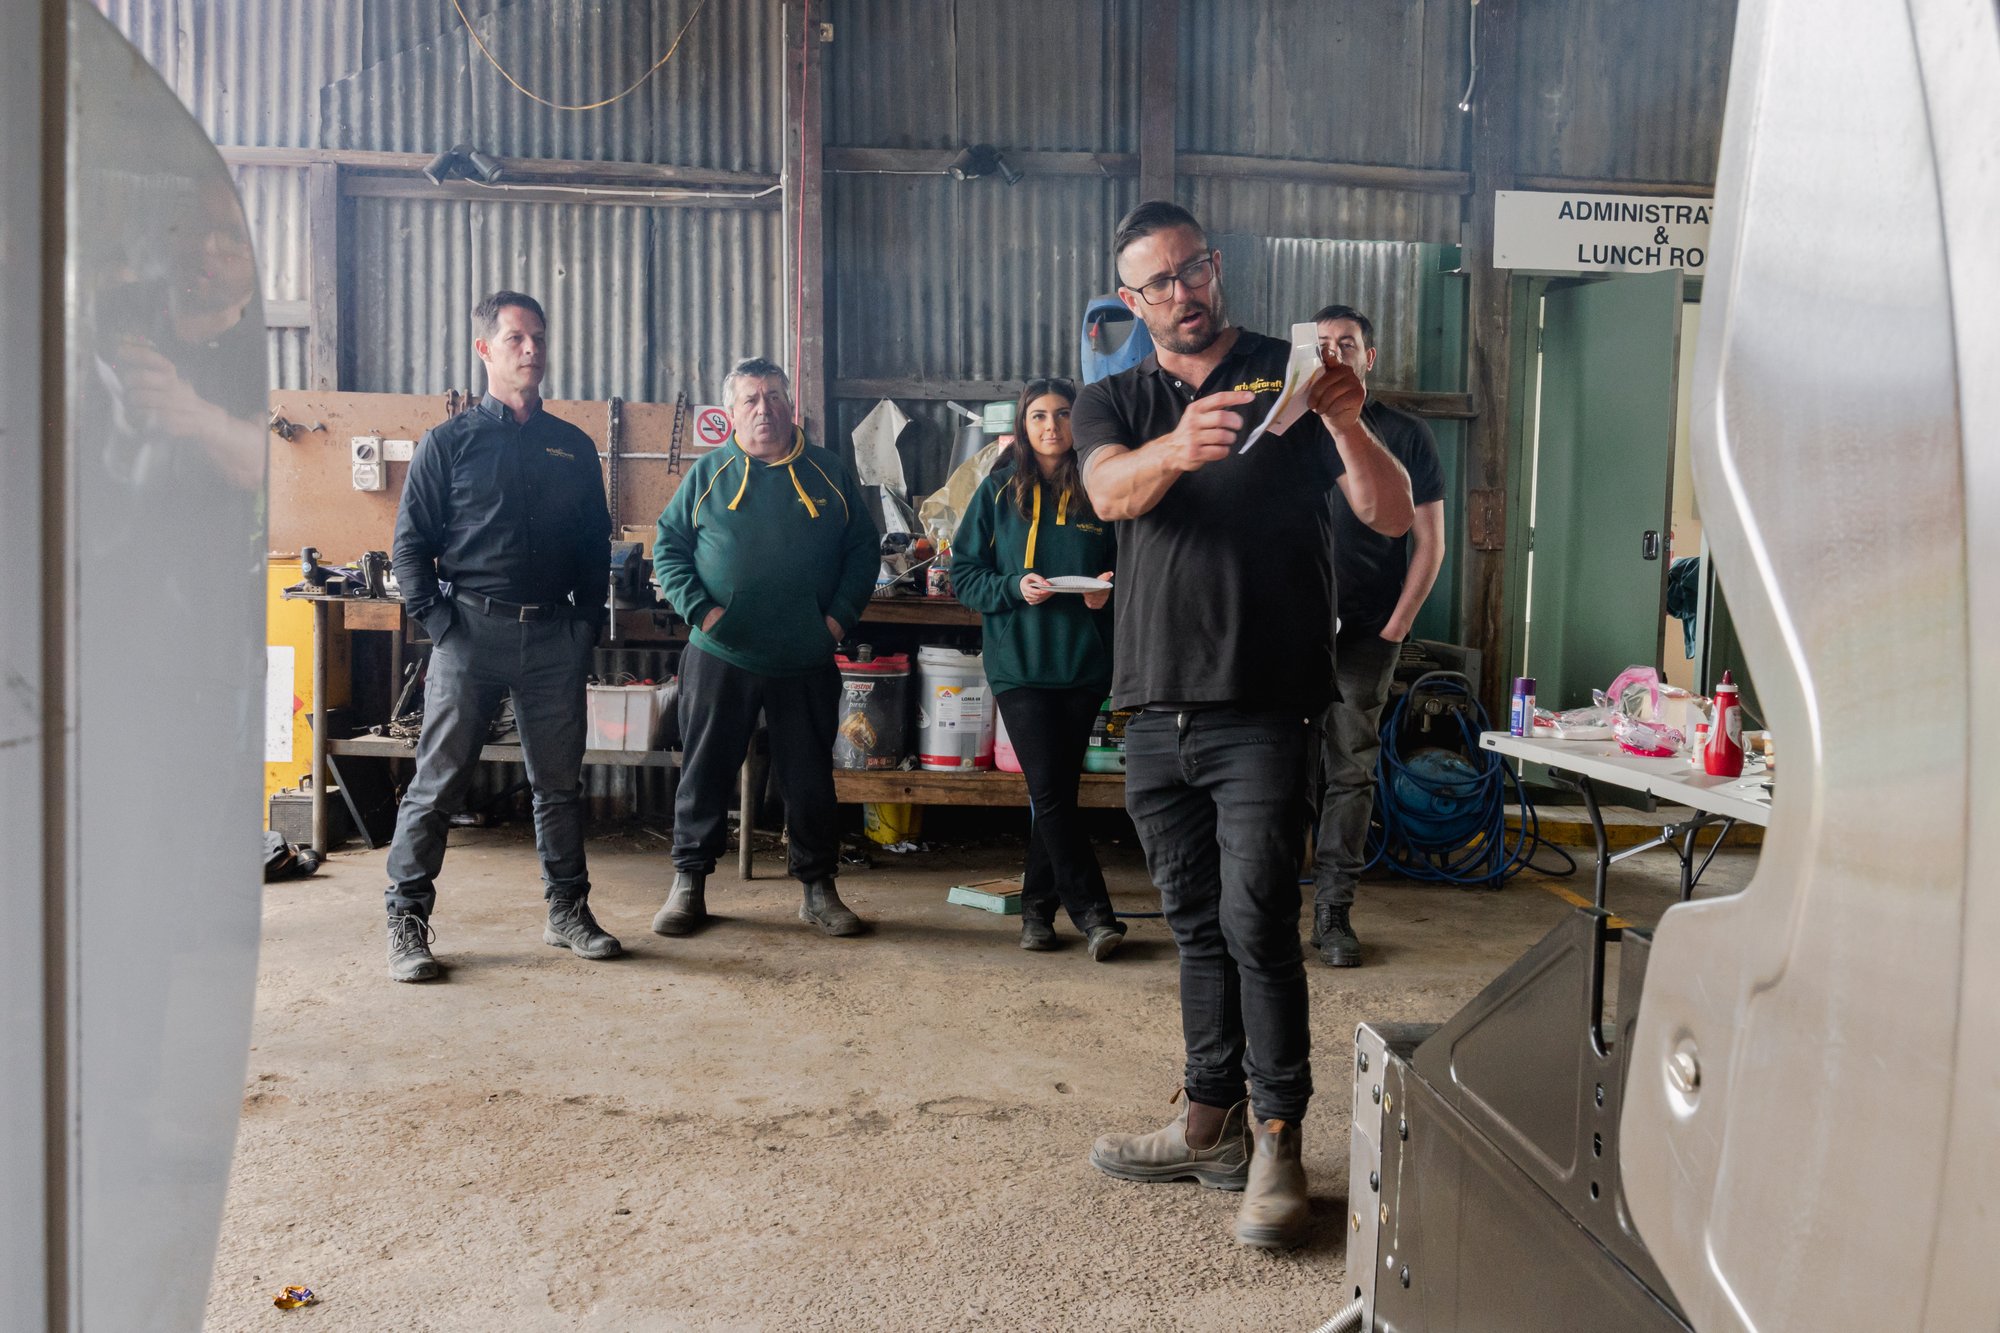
502	554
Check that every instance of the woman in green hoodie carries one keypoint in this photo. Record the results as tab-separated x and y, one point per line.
1048	652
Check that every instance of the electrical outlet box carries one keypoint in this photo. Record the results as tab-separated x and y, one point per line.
370	468
398	451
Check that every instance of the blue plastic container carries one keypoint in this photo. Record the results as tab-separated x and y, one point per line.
1112	339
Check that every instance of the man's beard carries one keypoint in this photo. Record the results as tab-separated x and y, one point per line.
1193	344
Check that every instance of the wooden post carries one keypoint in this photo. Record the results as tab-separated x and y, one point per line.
1490	361
805	212
320	647
323	276
1159	85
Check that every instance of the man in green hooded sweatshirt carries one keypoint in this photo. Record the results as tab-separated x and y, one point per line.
768	552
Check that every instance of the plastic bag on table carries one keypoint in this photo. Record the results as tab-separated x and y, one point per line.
1649	740
1584	724
1635	693
942	509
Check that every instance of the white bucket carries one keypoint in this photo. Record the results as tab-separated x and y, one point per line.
1004	757
954	711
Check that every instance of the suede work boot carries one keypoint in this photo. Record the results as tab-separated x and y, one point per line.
1037	936
686	908
410	949
1275	1214
823	908
1103	941
1334	937
1165	1154
572	927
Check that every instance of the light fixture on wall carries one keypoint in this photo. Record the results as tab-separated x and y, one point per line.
463	161
981	159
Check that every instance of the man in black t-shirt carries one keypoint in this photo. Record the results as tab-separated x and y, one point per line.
1223	638
1382	584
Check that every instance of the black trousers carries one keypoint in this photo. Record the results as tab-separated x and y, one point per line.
718	709
1050	730
1219	798
481	660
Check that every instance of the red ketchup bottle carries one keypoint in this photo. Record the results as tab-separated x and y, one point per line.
1724	756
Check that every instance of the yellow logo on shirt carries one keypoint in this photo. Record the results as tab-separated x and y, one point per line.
1259	386
1089	527
819	500
557	453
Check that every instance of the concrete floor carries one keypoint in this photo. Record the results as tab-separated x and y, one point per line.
762	1128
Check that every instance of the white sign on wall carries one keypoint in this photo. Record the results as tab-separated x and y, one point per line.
1554	232
278	703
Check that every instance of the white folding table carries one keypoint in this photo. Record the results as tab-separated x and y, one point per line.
1578	764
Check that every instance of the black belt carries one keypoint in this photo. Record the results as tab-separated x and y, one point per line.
493	606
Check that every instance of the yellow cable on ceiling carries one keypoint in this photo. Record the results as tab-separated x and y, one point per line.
584	106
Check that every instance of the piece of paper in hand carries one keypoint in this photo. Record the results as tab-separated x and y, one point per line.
875	456
1300	372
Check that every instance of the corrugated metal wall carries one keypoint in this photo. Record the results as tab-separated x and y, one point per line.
642	301
1304	79
1623	90
1273	284
929	277
425	86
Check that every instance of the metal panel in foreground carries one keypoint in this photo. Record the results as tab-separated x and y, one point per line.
1816	1068
135	895
1484	1188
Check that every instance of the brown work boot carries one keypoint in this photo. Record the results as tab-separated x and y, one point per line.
1165	1154
822	907
686	908
1274	1214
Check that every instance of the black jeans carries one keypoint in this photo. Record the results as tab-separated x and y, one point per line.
480	661
1218	796
1365	664
719	707
1050	730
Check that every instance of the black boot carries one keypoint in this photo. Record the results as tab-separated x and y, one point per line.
1037	935
410	949
686	908
1334	937
824	909
571	926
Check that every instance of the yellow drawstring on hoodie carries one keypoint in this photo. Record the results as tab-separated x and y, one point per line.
1035	523
788	463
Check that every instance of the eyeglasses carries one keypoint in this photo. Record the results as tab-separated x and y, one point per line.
1194	277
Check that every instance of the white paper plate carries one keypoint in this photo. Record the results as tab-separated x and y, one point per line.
1078	583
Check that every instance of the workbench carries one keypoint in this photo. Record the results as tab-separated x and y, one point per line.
914	787
1724	802
386	614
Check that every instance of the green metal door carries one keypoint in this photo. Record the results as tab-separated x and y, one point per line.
1603	481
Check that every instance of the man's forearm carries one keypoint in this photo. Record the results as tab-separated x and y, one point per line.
1425	565
1127	483
1375	484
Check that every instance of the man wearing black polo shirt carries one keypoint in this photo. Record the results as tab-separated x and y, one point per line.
501	553
1381	582
1224	637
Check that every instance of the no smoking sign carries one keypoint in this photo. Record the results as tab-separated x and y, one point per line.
711	426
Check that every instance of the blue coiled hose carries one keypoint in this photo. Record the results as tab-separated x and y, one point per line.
1441	815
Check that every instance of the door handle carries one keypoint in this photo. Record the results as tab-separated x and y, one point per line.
1649	545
